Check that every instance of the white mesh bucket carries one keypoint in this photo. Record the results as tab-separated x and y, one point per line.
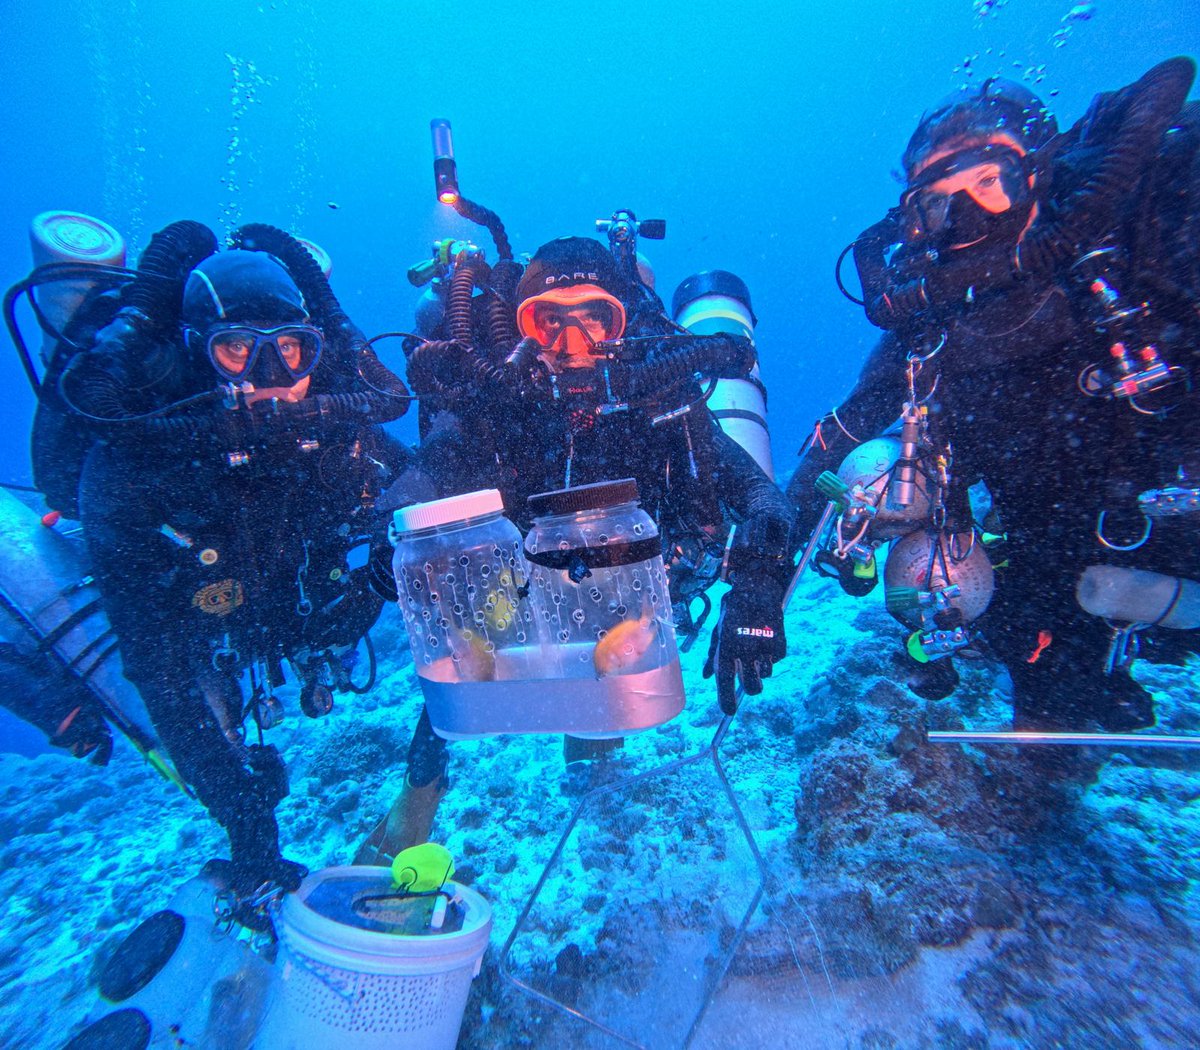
357	972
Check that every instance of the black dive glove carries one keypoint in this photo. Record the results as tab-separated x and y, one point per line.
85	734
856	580
748	638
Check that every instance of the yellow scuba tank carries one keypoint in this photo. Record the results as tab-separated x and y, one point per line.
717	302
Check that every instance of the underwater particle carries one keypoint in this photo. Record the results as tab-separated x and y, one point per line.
1081	12
987	8
333	205
244	87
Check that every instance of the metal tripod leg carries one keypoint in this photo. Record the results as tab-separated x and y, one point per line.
674	767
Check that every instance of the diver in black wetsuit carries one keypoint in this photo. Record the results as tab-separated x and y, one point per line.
229	531
1039	292
561	428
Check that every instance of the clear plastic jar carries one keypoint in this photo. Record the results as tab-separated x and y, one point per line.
458	566
597	581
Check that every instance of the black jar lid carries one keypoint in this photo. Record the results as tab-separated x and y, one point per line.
584	497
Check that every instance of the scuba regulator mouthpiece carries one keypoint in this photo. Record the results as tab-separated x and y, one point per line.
623	230
445	171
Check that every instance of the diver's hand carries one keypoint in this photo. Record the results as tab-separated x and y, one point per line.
249	889
748	638
85	734
856	580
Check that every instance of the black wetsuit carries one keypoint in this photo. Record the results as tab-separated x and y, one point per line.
206	567
692	478
1008	405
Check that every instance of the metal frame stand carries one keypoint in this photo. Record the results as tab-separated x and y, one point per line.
710	752
1066	739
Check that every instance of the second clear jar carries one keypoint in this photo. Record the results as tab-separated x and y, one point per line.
597	581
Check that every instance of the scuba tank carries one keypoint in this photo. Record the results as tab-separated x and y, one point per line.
123	330
1137	596
718	302
70	237
868	472
182	977
934	586
883	489
49	604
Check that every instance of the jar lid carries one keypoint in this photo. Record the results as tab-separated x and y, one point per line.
585	497
448	511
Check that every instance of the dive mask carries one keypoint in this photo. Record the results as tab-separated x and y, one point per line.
293	352
572	320
969	196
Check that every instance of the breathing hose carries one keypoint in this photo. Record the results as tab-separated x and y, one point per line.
449	369
313	284
467	274
149	306
482	216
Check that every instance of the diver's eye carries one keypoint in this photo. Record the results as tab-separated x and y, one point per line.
290	349
235	347
988	181
596	316
547	317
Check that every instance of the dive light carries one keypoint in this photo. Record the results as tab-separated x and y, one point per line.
445	172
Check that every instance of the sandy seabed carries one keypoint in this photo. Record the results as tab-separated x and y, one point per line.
912	895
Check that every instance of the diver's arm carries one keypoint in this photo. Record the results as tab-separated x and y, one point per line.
749	637
874	403
765	515
447	462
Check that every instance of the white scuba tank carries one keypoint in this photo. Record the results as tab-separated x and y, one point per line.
320	254
1139	596
180	978
70	237
716	302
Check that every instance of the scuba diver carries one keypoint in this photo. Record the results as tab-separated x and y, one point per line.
592	384
226	489
1032	397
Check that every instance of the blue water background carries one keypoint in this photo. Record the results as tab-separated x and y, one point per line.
764	133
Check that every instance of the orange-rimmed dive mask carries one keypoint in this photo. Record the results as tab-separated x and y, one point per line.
570	322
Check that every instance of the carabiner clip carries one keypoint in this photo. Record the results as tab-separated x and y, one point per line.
1105	542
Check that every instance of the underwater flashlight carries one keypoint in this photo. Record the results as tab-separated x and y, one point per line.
445	173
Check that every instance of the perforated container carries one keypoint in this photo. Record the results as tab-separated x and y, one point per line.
458	568
356	971
597	579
